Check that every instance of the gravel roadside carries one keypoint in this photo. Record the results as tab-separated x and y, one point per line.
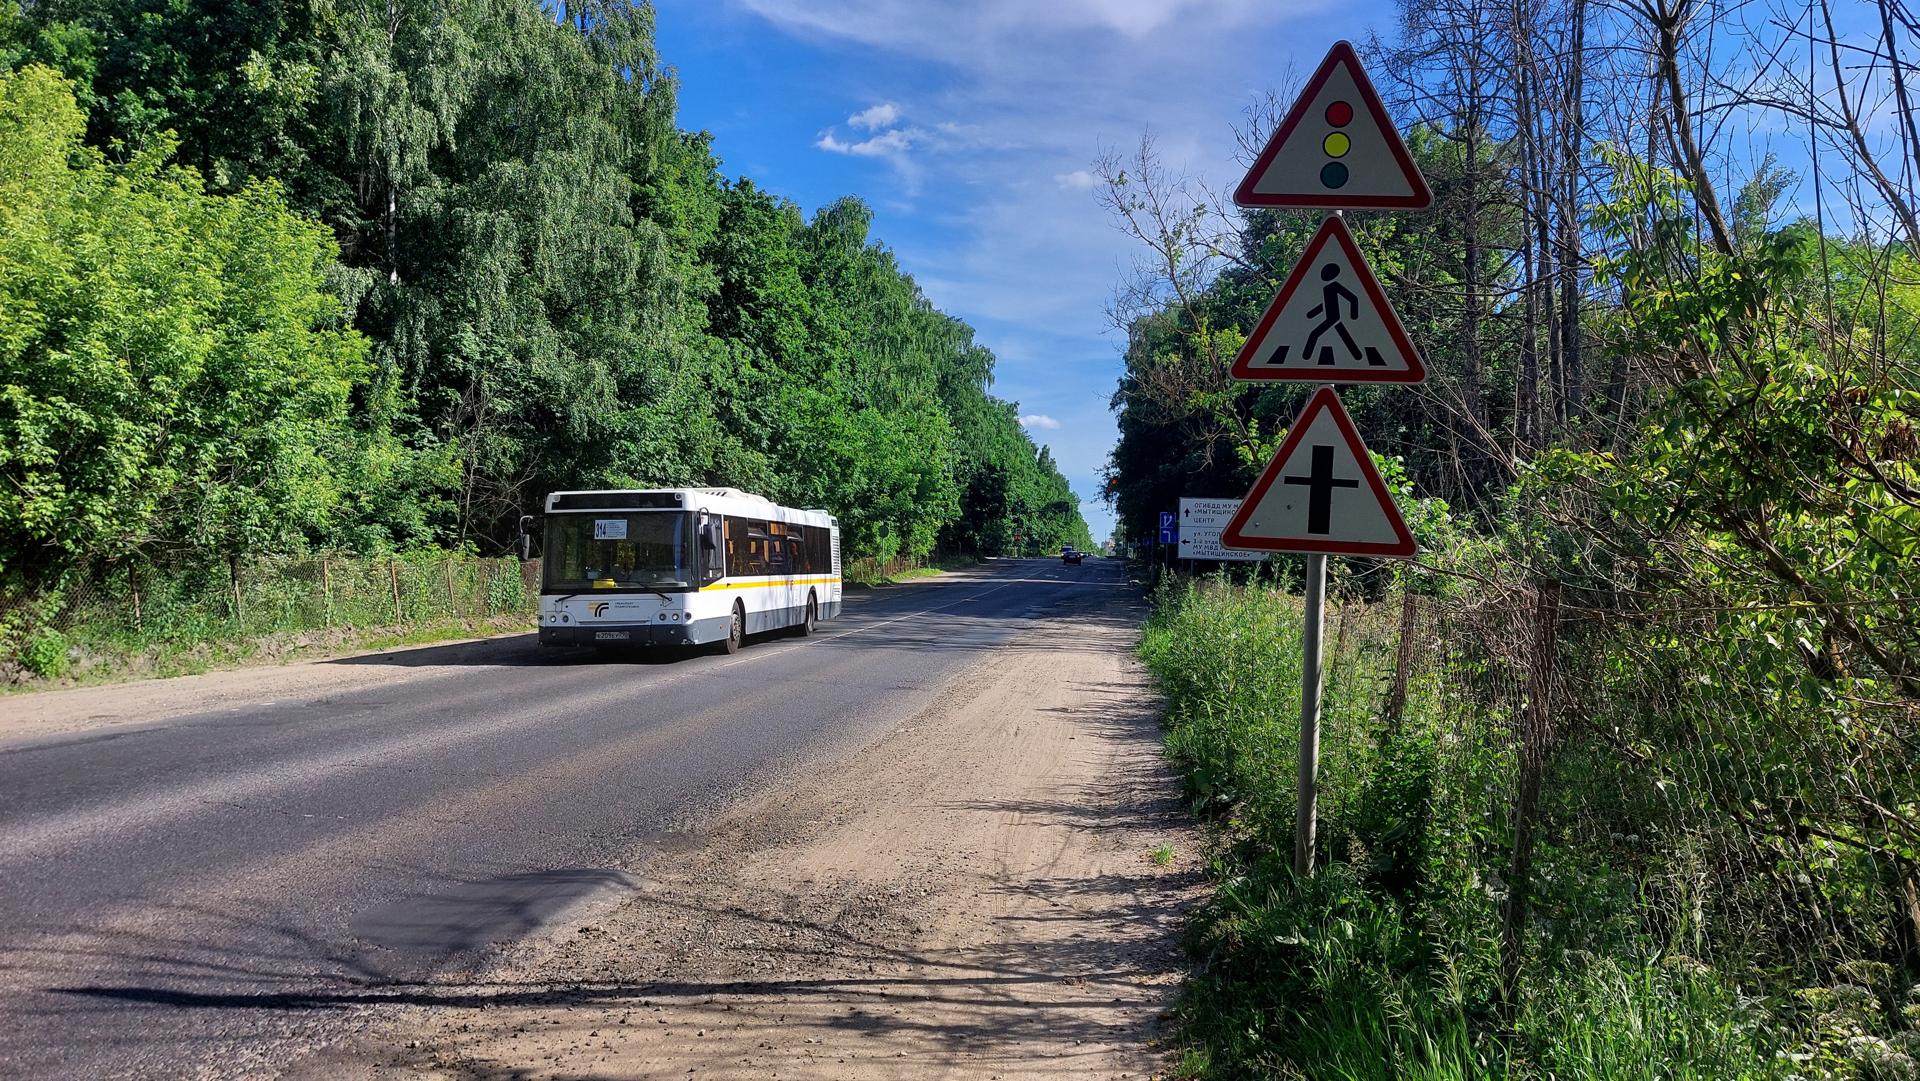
973	896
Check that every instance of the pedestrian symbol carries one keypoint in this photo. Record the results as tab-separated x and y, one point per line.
1329	312
1330	323
1320	493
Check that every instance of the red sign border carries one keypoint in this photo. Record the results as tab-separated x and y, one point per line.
1341	53
1335	229
1324	398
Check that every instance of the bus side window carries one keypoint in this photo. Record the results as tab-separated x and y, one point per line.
797	550
775	549
756	547
819	555
739	548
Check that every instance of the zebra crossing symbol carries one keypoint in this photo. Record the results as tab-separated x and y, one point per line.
1330	323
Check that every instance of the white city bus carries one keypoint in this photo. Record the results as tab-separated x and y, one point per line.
683	566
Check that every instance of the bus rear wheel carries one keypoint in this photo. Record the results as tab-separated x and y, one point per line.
736	631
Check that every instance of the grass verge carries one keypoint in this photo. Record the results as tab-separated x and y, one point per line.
161	661
867	572
1387	964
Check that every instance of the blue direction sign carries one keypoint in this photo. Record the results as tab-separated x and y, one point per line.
1169	527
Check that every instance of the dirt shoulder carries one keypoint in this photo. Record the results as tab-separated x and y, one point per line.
973	896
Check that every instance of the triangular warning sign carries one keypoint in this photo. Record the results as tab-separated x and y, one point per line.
1336	149
1320	493
1330	323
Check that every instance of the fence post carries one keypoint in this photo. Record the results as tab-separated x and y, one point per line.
1402	663
393	576
453	602
1536	739
326	593
133	586
233	577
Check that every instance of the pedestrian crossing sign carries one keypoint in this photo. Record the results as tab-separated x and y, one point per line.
1330	323
1336	149
1320	493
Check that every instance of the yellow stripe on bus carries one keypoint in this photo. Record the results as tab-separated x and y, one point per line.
817	580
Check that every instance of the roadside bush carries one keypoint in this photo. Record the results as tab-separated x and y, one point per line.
45	653
1386	964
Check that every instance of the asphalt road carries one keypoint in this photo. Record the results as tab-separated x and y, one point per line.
212	894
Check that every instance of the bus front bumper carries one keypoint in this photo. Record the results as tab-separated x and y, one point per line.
693	633
634	634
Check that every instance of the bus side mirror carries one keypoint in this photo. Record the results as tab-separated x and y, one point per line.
526	536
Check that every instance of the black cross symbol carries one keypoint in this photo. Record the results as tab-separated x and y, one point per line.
1320	484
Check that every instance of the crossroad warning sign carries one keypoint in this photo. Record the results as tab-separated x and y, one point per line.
1320	493
1336	149
1330	323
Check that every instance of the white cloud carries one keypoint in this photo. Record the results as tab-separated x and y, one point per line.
882	115
887	144
953	29
1039	420
1078	180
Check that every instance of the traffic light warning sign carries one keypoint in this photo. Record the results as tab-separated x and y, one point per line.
1336	149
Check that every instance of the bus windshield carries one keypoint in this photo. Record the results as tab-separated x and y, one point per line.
619	550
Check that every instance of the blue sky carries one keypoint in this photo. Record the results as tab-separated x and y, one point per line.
970	128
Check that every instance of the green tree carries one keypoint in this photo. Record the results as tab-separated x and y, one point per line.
173	373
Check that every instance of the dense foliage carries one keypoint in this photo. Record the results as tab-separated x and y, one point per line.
1388	964
1674	399
378	274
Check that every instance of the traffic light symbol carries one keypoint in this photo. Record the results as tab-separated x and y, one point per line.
1334	173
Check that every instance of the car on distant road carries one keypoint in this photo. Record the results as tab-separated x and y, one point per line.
1070	555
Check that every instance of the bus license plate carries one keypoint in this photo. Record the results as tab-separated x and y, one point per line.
610	636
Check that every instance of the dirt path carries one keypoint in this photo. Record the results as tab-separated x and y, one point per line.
973	896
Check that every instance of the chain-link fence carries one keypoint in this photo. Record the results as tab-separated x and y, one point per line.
127	613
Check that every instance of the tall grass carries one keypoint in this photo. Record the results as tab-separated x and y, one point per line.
1385	965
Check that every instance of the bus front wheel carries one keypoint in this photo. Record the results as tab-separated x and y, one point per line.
736	631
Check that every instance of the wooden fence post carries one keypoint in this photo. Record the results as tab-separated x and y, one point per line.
453	602
233	577
1402	663
326	594
133	586
393	576
1536	742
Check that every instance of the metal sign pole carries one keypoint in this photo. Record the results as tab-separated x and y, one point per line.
1336	149
1311	652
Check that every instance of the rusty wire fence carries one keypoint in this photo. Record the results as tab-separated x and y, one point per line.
121	614
1686	781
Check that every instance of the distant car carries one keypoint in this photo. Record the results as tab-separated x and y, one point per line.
1070	556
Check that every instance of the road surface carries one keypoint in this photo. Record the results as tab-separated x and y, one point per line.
216	893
